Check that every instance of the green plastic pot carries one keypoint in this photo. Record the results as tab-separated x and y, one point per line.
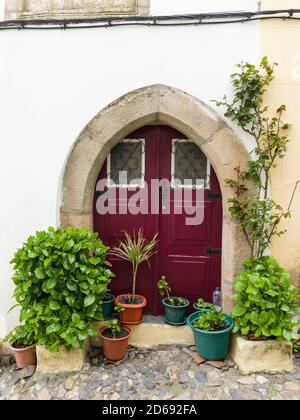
211	345
175	315
108	306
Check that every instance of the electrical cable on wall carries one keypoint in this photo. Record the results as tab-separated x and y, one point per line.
158	21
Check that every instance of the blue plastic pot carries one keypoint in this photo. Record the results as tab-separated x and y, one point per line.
211	345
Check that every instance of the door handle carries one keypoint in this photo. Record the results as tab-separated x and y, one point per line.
210	251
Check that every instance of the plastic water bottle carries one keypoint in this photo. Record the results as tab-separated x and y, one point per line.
217	298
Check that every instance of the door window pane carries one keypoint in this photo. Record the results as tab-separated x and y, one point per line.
189	164
126	163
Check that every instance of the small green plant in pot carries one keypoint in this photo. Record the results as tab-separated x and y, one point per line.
115	337
136	250
211	331
22	341
175	307
266	301
107	304
202	305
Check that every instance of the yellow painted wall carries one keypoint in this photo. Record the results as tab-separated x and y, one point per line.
281	43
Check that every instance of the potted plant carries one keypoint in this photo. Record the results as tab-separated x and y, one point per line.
115	337
107	304
266	301
59	274
175	307
22	342
265	317
202	305
211	331
136	250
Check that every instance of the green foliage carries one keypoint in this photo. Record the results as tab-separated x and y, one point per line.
59	277
212	320
296	348
163	287
258	214
202	304
22	335
267	301
135	249
114	324
119	308
177	301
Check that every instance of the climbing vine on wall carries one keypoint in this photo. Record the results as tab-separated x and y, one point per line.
258	214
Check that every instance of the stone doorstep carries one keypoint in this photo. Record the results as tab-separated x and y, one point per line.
268	356
61	361
154	332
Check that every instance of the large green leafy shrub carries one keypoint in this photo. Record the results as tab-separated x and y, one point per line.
267	301
59	276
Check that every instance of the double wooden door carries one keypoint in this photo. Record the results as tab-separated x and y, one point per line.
188	252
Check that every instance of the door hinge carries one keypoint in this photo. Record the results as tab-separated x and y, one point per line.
214	195
210	251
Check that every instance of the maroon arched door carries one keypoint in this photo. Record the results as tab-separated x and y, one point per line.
189	249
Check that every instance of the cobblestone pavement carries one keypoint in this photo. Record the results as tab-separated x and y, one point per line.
166	373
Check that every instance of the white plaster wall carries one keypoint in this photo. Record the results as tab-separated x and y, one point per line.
53	82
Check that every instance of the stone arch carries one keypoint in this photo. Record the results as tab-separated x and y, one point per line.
148	105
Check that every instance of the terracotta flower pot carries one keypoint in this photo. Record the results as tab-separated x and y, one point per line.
114	348
133	313
25	356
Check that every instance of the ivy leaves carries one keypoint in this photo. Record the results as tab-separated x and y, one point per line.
267	301
59	275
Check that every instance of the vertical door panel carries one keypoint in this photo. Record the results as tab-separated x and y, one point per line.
183	258
111	227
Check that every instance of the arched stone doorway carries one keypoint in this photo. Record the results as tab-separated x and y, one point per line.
150	105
